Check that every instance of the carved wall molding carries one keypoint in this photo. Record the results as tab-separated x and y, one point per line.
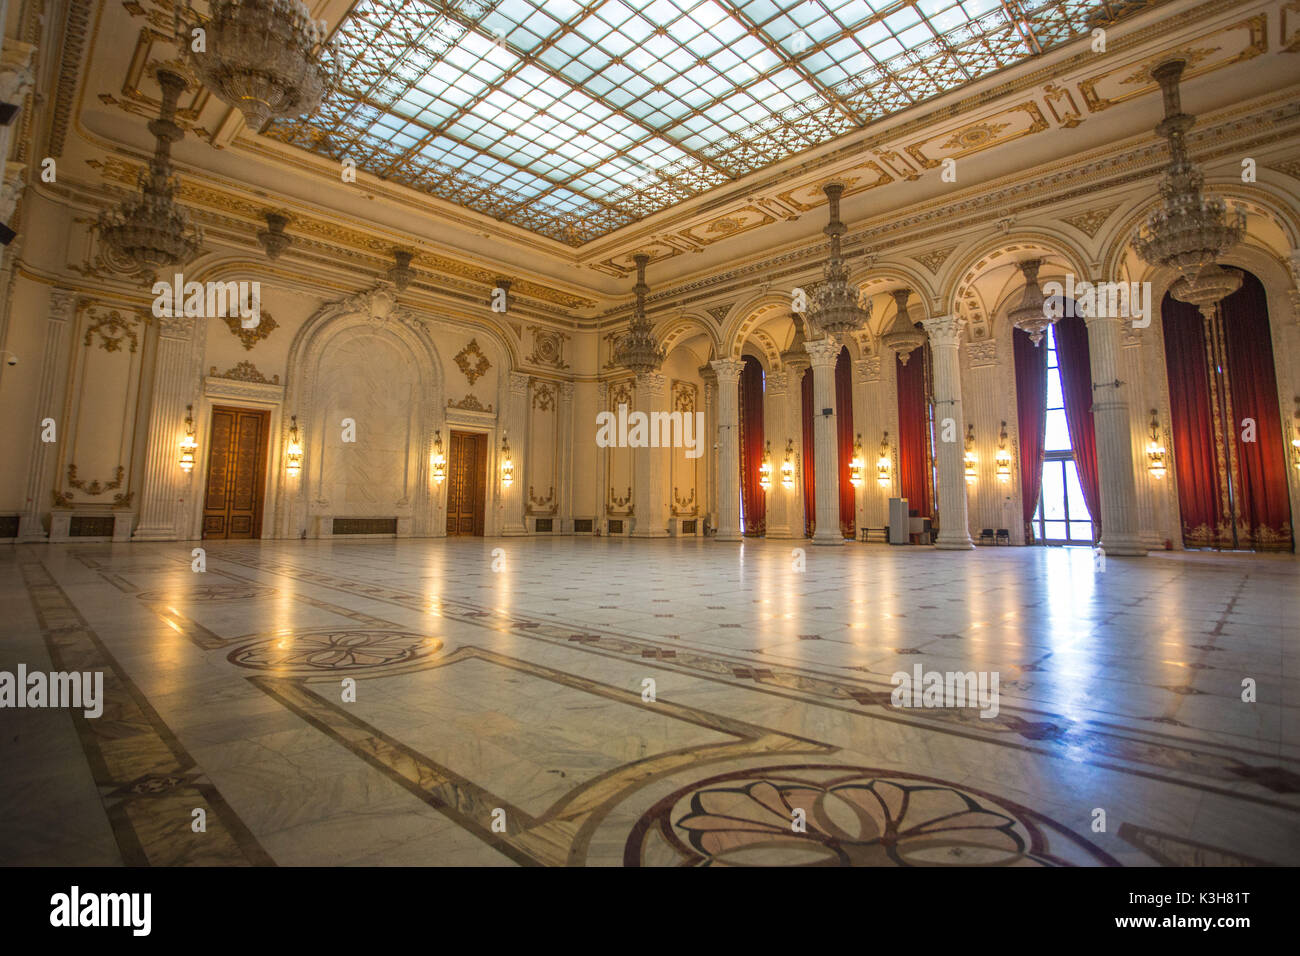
244	372
95	487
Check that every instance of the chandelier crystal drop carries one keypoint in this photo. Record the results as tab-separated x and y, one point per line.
267	58
638	350
833	307
149	231
1188	232
903	335
1030	315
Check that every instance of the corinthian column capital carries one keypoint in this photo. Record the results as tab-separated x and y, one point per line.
822	352
728	370
944	329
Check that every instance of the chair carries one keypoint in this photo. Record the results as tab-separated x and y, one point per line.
986	535
1004	536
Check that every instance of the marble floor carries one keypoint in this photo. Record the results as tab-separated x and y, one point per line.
579	701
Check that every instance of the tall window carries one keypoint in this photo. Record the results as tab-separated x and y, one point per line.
1062	516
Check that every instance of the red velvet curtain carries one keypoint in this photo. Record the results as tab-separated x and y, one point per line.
914	433
1076	386
809	467
1263	501
1200	493
753	498
844	436
1031	420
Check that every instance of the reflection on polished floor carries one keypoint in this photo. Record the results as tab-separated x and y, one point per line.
505	716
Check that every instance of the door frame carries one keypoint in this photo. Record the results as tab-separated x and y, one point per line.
215	394
489	466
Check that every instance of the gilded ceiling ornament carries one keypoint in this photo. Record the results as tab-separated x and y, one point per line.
250	337
1089	222
975	136
472	362
935	258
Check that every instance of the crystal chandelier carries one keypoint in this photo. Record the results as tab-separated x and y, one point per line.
903	336
1030	315
638	350
1188	232
834	305
267	58
149	231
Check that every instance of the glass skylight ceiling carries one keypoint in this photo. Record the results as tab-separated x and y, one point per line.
573	120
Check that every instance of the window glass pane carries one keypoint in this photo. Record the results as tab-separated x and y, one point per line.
1054	397
1053	491
1057	434
1055	531
1080	530
1078	507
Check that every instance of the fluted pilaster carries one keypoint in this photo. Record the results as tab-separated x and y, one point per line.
166	487
954	525
728	460
564	448
515	426
776	426
1110	421
822	354
54	363
648	463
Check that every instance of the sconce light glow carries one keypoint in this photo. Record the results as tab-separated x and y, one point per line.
883	463
970	458
787	466
188	443
293	450
765	469
1003	456
1155	450
507	463
857	467
439	459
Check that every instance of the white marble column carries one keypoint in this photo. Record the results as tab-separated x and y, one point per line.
166	487
564	449
776	407
602	464
648	463
954	525
794	432
708	463
823	353
54	367
1110	421
515	427
728	458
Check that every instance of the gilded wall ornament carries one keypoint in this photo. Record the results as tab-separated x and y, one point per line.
250	337
472	362
935	258
244	372
470	404
548	347
95	487
543	396
113	329
1089	222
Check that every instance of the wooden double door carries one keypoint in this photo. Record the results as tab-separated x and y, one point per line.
467	484
236	485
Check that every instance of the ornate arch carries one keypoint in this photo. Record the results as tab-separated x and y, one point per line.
746	316
671	332
959	287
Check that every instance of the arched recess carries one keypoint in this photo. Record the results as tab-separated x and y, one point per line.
960	290
368	359
671	332
883	277
748	315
